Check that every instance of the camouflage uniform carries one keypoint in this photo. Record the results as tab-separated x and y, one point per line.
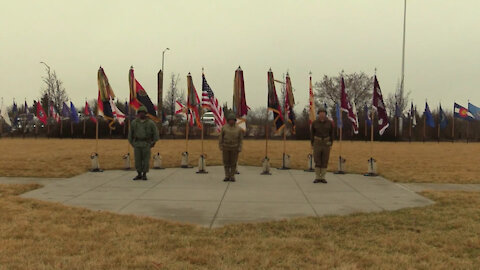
230	143
143	134
321	139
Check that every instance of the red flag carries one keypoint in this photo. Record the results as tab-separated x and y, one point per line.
239	105
346	106
88	112
193	102
139	97
380	107
41	115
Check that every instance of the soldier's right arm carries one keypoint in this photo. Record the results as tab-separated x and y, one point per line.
312	133
220	140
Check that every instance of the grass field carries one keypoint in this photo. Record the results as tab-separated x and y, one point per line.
42	235
401	162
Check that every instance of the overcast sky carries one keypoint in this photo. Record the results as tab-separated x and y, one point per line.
76	37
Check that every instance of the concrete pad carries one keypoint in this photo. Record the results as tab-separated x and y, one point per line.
327	209
264	210
181	195
196	212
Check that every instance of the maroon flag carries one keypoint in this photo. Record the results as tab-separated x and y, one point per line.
380	107
41	115
346	106
240	107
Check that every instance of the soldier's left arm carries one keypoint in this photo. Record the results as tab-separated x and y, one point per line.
331	133
155	132
240	140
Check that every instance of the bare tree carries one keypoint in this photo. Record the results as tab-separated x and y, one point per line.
359	88
401	98
173	94
53	91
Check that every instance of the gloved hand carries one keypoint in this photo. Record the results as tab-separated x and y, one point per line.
152	145
329	143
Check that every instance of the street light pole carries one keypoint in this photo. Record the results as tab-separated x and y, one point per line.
160	90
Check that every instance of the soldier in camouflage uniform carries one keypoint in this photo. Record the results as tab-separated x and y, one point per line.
143	135
230	143
321	139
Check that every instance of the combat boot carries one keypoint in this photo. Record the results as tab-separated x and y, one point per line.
322	178
138	177
144	176
318	175
227	173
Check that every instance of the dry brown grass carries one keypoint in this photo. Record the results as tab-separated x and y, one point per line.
403	162
42	235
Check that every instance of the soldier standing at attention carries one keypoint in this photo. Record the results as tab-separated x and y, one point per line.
322	139
143	135
230	144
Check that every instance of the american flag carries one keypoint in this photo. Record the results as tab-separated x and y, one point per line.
54	114
210	102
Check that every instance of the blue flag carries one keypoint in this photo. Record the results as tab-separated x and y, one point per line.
429	117
27	112
442	118
65	110
338	115
474	110
74	114
367	115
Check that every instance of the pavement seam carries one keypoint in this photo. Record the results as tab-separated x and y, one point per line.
370	200
148	189
219	205
88	190
304	195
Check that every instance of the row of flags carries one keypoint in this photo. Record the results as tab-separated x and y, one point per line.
67	112
138	97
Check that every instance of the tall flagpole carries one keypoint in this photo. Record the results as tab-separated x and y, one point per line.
186	132
285	119
84	120
403	47
201	116
438	125
266	135
410	127
424	123
453	126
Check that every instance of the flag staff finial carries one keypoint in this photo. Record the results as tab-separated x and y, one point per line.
310	73
203	70
375	71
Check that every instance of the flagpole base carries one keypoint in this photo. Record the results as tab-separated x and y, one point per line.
341	165
202	165
266	166
126	157
372	168
285	162
310	164
157	162
95	163
184	162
